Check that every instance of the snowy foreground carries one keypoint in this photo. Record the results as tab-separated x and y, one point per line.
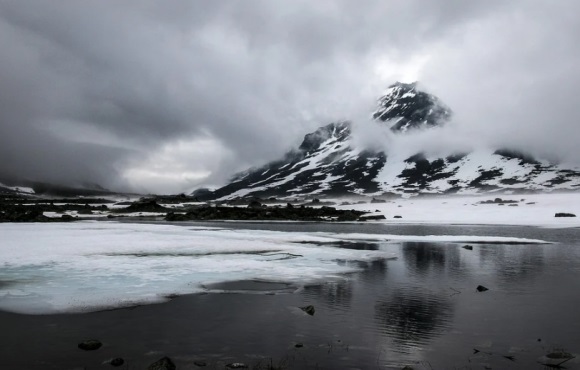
531	210
90	265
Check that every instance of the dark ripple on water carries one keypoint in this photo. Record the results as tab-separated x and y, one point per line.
412	317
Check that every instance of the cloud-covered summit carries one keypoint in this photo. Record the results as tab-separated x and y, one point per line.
162	97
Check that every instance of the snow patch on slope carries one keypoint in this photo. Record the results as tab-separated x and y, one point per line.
18	189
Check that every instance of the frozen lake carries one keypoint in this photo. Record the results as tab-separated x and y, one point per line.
386	296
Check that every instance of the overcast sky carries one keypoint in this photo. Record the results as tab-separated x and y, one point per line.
165	96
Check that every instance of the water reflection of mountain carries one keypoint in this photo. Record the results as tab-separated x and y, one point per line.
514	263
412	316
334	295
423	258
374	271
340	294
511	263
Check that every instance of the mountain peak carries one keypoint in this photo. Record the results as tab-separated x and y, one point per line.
406	107
327	164
312	141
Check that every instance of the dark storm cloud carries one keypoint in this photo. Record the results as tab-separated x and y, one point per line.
141	92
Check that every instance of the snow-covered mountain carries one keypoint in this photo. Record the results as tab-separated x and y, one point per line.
328	164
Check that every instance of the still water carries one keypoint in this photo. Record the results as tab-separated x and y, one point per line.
421	310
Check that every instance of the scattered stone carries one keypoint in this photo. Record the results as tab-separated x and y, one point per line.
90	345
481	288
377	200
499	201
559	355
407	368
237	365
468	247
299	345
372	217
255	204
397	216
308	309
117	362
164	363
143	205
301	213
200	363
20	213
563	214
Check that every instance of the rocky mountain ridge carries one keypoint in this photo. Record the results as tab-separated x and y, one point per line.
327	164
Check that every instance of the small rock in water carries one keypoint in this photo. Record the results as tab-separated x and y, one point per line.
237	365
397	216
299	345
408	368
308	309
559	355
481	288
564	214
117	362
200	363
162	364
468	247
90	345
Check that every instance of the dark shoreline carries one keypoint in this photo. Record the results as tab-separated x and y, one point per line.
185	329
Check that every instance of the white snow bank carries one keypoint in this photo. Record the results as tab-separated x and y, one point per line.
84	266
50	268
20	189
533	210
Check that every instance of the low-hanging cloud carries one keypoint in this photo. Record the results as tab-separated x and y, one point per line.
162	97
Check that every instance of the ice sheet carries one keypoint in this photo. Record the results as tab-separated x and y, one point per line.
89	265
49	268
